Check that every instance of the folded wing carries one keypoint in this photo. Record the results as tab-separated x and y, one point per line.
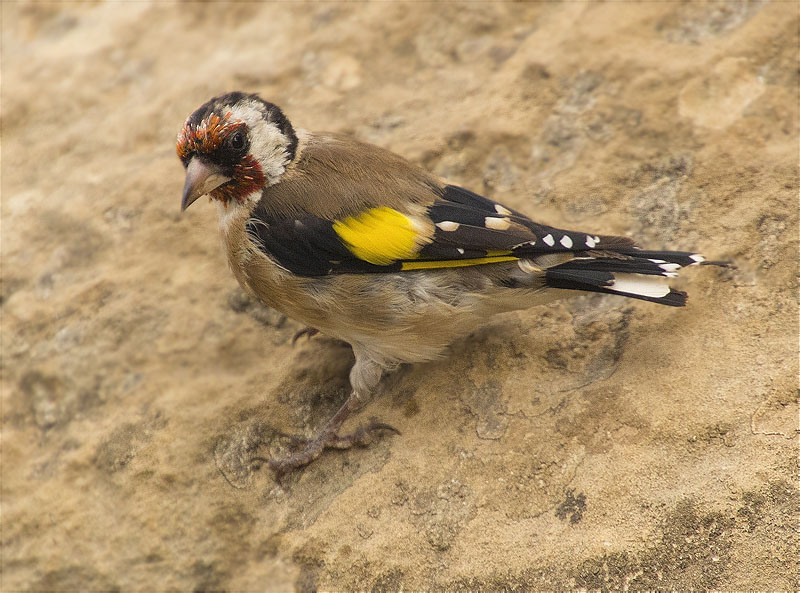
459	228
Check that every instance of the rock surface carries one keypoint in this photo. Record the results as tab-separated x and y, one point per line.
597	443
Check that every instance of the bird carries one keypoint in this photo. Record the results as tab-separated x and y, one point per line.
358	243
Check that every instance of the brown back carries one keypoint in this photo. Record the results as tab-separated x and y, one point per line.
336	176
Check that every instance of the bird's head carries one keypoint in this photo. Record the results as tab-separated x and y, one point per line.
232	147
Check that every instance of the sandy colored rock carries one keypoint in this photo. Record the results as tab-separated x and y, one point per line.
597	443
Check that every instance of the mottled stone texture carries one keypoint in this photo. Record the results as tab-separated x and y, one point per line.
596	443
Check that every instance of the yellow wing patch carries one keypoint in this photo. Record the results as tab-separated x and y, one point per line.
379	236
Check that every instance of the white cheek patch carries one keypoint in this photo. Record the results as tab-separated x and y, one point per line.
267	143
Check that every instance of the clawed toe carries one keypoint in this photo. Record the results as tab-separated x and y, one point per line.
297	441
313	448
309	332
328	438
362	437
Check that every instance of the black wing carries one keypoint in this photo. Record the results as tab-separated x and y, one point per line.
459	229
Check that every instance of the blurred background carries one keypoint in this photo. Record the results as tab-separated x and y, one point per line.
596	443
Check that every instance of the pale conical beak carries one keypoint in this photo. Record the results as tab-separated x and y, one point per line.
201	178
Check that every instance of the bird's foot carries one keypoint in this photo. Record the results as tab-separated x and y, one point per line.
313	448
310	332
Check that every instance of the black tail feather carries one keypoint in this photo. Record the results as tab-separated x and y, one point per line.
608	283
630	266
682	258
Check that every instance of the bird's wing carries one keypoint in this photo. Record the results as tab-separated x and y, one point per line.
458	228
353	208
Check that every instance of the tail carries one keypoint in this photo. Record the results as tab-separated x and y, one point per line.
626	271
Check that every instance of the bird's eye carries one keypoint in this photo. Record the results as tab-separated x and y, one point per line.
237	141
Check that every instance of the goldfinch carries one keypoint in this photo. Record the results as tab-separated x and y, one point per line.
358	243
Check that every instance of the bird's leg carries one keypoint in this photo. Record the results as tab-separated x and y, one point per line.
329	438
364	376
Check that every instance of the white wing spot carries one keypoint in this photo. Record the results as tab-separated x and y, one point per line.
461	251
498	224
697	258
502	210
590	242
548	239
566	241
448	225
670	267
526	243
